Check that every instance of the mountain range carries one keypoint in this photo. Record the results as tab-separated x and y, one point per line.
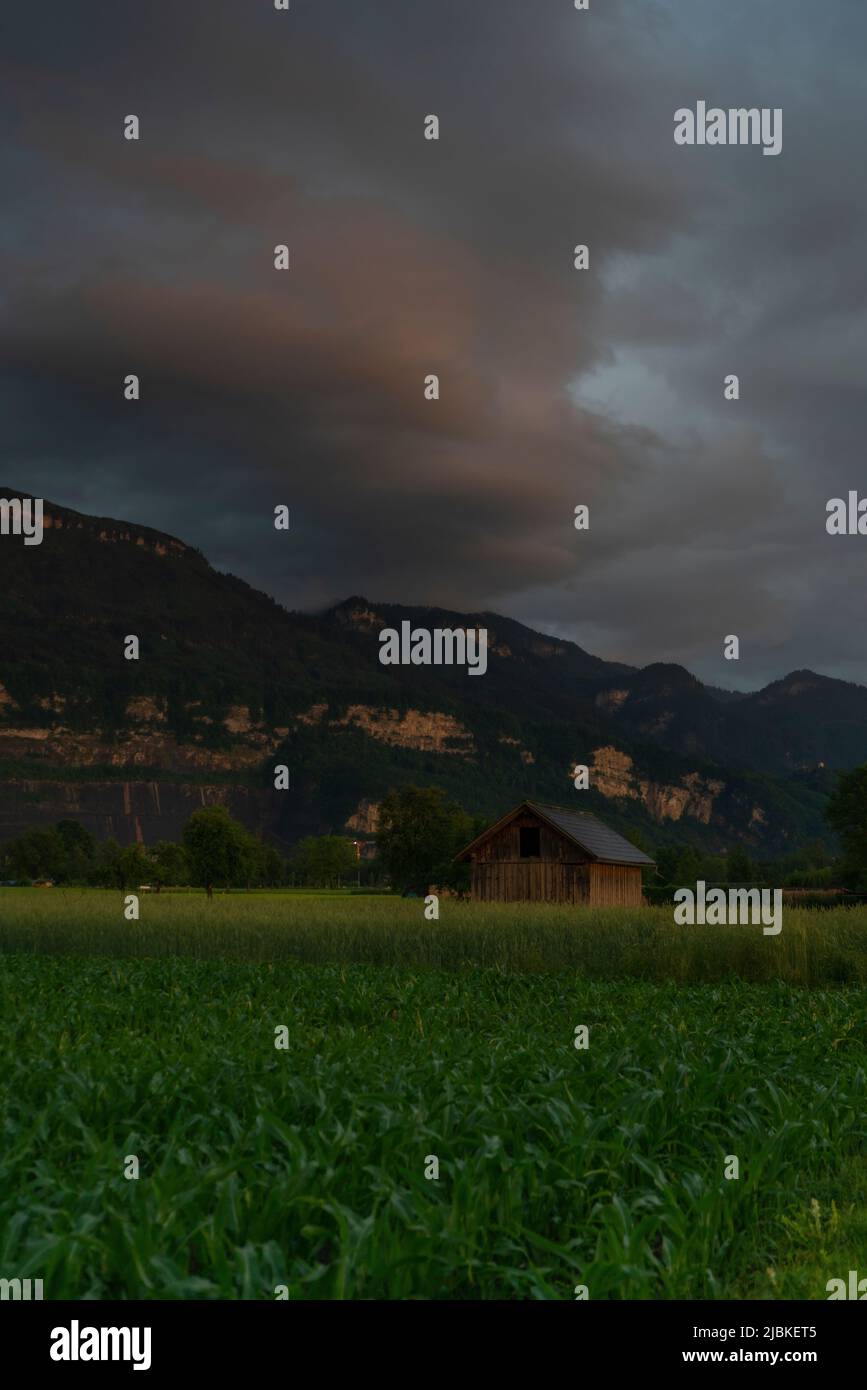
229	684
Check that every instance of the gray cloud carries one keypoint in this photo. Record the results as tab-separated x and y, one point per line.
408	258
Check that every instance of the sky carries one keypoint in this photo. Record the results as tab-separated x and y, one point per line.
408	257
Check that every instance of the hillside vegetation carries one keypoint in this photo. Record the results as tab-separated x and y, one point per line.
229	683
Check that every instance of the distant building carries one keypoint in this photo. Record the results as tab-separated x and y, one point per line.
540	853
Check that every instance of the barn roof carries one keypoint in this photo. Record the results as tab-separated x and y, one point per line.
581	827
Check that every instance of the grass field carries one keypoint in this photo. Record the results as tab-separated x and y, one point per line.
813	948
305	1166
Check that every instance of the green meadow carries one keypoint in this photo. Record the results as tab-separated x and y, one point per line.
814	948
304	1166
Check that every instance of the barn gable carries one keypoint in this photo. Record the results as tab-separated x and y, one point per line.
582	829
542	853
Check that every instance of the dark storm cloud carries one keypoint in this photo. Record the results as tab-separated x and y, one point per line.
411	257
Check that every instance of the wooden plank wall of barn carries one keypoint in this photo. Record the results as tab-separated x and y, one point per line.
499	874
615	885
529	880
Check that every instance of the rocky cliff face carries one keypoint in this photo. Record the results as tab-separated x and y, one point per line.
142	741
613	774
133	809
425	731
108	532
131	812
365	818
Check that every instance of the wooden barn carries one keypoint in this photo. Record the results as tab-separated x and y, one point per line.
539	853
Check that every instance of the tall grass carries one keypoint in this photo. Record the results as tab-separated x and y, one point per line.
306	1167
814	948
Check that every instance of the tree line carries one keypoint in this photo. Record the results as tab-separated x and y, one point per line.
214	851
420	832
